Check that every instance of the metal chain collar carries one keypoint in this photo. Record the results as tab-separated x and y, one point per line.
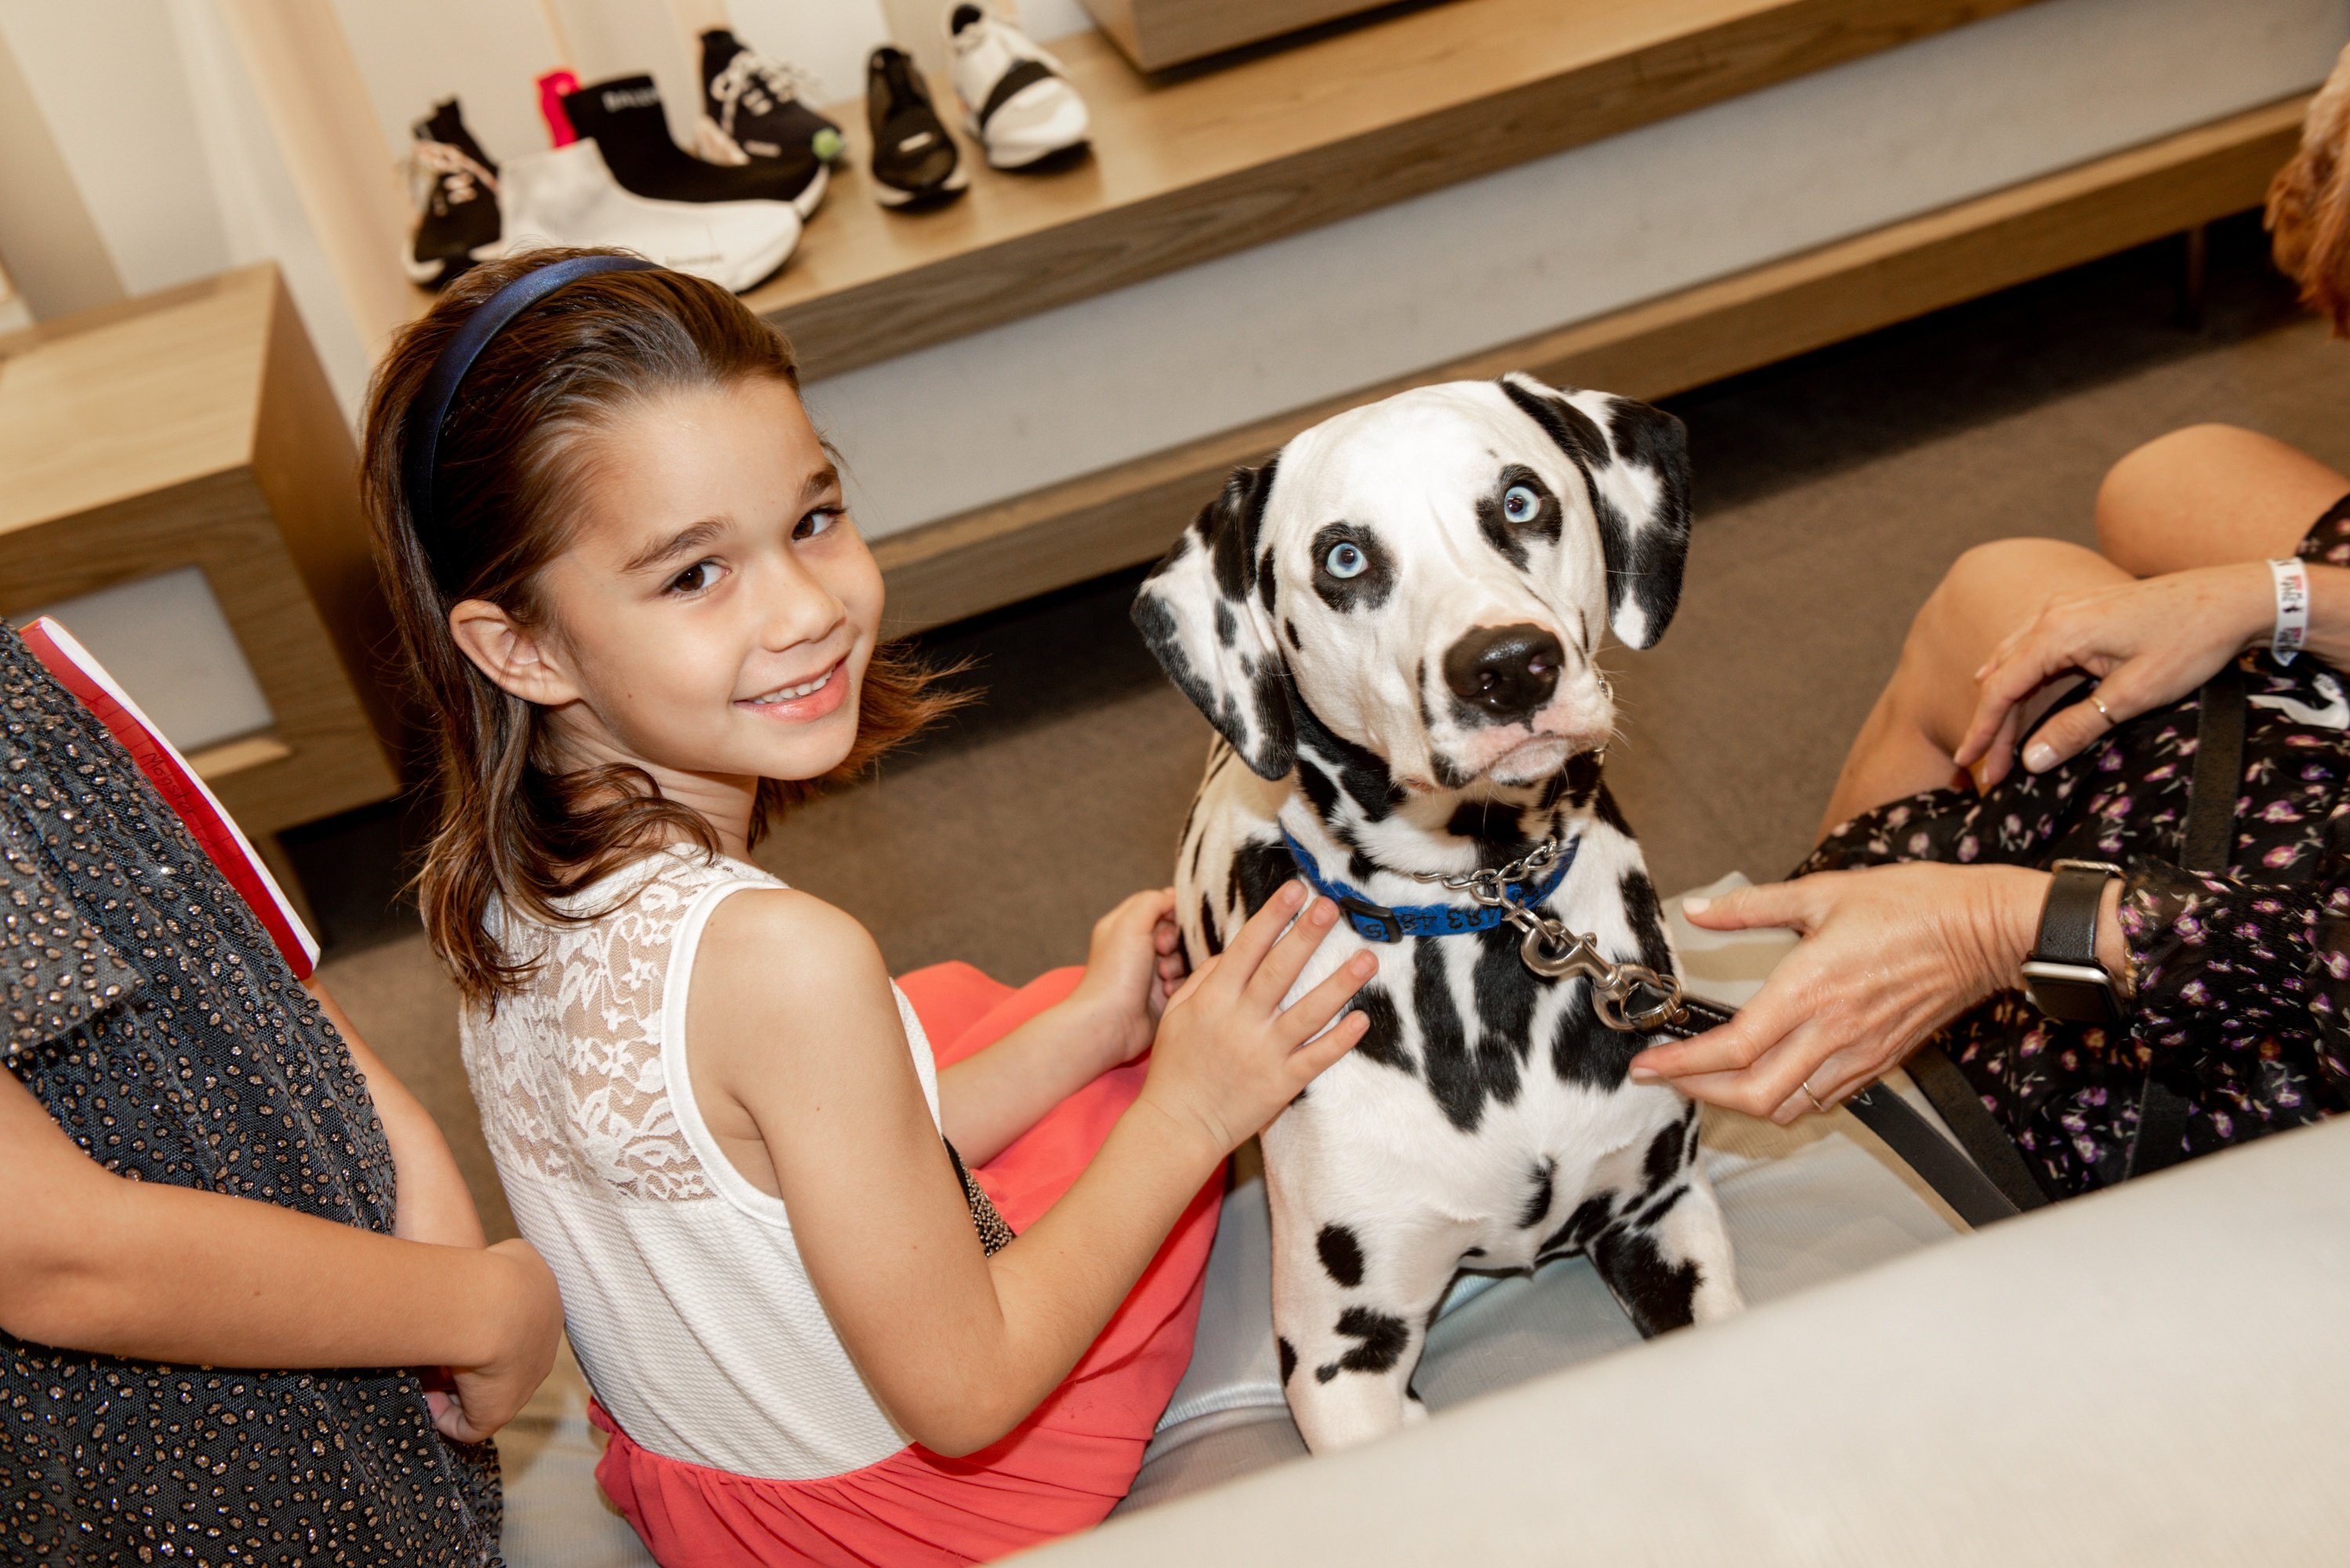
1553	952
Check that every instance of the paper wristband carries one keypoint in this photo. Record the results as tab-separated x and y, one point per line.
2292	609
198	810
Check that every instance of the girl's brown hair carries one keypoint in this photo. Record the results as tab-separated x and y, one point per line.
512	826
2309	204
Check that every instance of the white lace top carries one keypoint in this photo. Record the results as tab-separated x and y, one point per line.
683	1295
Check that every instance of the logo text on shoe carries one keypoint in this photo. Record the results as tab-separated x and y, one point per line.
631	97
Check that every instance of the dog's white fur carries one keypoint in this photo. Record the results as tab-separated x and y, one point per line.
1486	1121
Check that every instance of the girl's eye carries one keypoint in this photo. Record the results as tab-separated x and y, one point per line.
1346	560
1519	503
695	578
820	521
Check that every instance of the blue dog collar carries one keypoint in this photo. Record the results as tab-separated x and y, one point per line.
1378	923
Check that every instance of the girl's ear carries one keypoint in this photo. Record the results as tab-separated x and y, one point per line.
514	657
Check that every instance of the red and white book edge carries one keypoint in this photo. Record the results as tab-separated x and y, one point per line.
72	666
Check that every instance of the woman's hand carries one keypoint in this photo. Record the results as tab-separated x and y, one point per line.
522	1325
1134	964
2148	642
1229	1055
1889	955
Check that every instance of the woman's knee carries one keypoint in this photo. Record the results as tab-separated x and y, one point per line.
1993	588
2208	493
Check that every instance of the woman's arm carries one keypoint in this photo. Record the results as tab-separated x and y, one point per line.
430	1202
803	1071
1892	953
90	1261
1134	964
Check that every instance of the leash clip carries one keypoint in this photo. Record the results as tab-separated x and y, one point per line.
1555	952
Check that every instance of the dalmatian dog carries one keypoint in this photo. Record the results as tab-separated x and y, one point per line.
1392	626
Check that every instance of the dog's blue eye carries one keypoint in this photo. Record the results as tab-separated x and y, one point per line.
1519	503
1346	560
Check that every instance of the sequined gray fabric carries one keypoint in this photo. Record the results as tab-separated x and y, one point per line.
149	1012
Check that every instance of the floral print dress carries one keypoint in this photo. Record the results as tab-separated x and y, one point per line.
2242	980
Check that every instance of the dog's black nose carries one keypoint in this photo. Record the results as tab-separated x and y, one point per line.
1507	671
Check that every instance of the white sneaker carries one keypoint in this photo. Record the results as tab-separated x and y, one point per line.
568	197
1016	101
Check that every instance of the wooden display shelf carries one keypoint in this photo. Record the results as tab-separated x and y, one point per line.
1190	169
195	427
1065	533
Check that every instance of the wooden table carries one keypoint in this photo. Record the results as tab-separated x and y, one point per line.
196	427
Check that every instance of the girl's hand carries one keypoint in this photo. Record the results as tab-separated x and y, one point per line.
1229	1056
2148	642
1889	955
523	1319
1133	966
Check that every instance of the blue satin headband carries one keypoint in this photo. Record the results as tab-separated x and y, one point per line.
426	415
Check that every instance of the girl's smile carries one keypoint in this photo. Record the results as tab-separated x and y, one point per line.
808	700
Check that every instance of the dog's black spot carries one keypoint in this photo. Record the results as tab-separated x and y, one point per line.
1266	582
1208	926
1384	1339
1362	773
1320	791
1662	1206
1646	915
1585	1051
1504	990
1342	1255
1497	828
1228	629
1589	1219
1656	1295
1663	1160
1537	1205
1369	587
1582	777
1289	627
1288	1354
1462	1080
1583	442
1604	805
1471	1252
1547	522
1269	686
1238	517
1324	1374
1382	1039
1258	871
1199	847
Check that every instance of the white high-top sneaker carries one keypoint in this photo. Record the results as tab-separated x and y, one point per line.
568	197
1016	102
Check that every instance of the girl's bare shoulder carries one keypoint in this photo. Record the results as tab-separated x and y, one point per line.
779	945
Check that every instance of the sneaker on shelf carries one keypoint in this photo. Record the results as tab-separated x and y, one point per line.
624	115
455	188
568	197
914	159
1016	101
752	107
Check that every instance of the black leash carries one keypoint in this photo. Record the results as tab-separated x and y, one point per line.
1989	1180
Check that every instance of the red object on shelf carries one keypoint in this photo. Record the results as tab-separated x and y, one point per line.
551	88
198	810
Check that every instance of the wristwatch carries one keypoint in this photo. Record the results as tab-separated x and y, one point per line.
2062	976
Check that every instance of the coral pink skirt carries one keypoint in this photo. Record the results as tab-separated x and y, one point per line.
1061	1469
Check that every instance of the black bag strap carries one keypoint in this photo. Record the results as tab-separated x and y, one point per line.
2204	845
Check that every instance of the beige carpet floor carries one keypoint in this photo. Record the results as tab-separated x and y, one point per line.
1831	493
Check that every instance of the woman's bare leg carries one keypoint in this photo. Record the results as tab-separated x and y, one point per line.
2207	495
1907	743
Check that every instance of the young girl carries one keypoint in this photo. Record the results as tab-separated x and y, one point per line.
840	1299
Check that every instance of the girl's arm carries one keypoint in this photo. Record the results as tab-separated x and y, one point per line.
90	1261
430	1203
1134	964
798	1060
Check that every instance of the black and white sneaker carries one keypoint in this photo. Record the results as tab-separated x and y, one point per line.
752	107
455	188
624	117
914	159
1016	101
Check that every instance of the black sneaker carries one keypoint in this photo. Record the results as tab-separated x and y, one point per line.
624	117
914	159
752	107
455	187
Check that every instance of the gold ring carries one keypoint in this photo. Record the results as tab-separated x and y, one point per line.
1813	1097
2101	708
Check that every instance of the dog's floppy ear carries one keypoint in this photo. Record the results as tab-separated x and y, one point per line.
1199	612
1635	460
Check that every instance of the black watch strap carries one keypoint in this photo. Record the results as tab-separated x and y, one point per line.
2063	977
